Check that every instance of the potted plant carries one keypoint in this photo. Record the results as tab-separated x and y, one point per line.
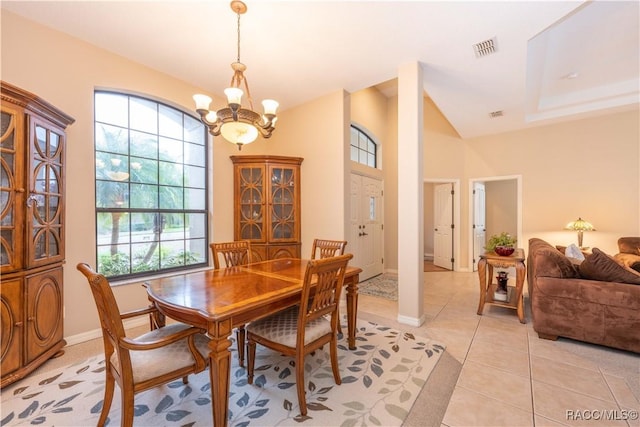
503	244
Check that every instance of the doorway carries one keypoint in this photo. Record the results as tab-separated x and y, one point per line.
496	206
366	235
442	224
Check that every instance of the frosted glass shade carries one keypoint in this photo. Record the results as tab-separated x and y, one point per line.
239	133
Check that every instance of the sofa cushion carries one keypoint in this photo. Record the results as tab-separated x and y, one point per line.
600	266
549	262
628	260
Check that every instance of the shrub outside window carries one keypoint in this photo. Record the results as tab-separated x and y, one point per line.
151	187
363	148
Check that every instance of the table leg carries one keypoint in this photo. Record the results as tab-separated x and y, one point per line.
352	312
219	372
520	273
482	276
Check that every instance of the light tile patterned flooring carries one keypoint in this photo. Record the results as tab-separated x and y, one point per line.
510	377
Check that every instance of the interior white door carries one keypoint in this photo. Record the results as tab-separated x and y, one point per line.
366	239
479	222
443	221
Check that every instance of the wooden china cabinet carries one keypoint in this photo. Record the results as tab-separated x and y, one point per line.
267	205
32	144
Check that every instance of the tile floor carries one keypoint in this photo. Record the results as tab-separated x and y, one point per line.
510	377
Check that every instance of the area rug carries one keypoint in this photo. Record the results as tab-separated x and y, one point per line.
380	381
384	286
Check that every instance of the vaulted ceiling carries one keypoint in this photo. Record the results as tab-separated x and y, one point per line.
550	61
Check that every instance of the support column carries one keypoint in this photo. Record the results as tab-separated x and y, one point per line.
410	195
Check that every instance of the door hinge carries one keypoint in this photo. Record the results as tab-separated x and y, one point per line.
452	260
453	226
381	226
453	192
382	260
381	193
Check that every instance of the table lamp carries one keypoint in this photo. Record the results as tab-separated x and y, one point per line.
580	225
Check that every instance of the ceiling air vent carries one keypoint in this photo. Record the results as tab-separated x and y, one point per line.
485	48
495	114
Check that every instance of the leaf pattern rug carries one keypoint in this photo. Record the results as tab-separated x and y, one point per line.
380	381
384	286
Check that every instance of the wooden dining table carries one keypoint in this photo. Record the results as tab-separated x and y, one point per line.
220	300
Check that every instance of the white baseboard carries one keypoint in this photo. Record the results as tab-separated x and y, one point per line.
97	333
411	321
428	257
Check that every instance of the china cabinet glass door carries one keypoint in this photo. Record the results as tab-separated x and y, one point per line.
45	228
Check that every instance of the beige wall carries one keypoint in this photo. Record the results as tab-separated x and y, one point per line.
501	207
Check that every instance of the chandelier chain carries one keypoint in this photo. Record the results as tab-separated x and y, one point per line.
238	36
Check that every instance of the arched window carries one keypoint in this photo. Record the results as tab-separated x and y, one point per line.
151	187
364	150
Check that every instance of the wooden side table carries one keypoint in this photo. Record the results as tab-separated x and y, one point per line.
487	285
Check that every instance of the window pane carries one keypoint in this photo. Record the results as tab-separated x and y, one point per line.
196	250
143	115
171	149
196	226
112	108
170	122
144	196
144	187
144	170
371	160
193	155
171	174
194	177
144	145
171	198
193	131
110	194
112	138
195	199
354	153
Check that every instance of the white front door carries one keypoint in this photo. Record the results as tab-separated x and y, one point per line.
443	221
479	222
366	239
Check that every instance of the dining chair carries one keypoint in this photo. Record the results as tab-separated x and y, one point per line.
303	328
157	357
328	248
234	254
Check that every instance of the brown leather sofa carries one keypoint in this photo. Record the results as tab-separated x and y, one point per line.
567	304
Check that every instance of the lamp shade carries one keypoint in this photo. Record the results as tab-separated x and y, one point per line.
580	225
239	132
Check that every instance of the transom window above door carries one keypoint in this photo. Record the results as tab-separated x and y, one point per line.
364	149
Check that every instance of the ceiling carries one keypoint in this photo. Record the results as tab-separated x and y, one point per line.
553	60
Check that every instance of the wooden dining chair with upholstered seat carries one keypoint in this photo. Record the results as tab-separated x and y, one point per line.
157	357
234	254
328	248
304	328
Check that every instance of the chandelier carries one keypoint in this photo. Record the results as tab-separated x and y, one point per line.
236	124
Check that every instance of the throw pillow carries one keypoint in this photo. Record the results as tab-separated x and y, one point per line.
600	266
574	254
628	260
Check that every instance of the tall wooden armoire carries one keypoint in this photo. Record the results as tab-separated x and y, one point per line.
32	198
267	205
